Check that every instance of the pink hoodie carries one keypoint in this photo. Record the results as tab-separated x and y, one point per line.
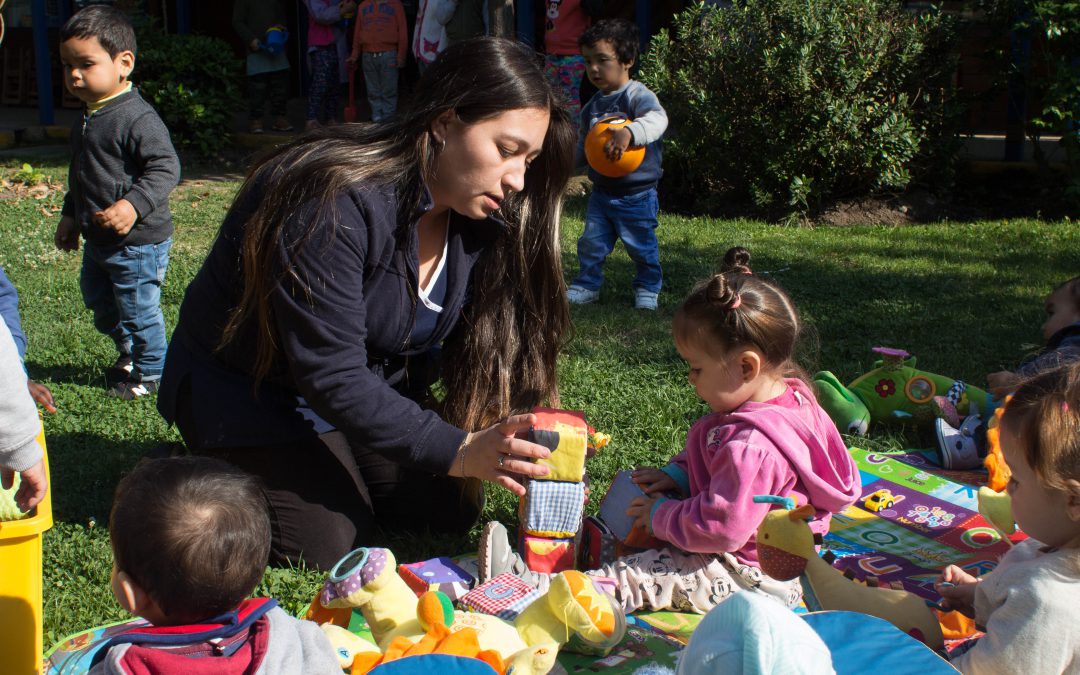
787	446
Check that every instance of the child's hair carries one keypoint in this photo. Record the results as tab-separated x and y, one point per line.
622	34
192	532
1044	415
108	24
737	308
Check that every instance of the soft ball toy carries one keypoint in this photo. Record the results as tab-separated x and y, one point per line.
598	136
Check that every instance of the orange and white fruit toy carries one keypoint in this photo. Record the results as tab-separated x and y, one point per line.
598	136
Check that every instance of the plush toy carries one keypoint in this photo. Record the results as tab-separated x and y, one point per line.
572	613
595	140
785	546
894	390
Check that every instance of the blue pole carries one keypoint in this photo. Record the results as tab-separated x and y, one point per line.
1016	114
526	23
643	14
183	17
42	64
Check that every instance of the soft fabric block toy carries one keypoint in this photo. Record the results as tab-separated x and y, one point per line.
551	508
895	390
786	550
438	574
624	490
566	435
504	596
597	545
549	556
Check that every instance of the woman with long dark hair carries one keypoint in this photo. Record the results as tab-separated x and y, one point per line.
359	266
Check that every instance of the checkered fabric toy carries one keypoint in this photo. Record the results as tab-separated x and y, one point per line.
552	508
504	596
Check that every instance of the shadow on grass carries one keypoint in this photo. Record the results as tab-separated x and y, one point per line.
67	373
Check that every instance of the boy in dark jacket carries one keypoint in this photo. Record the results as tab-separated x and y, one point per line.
123	167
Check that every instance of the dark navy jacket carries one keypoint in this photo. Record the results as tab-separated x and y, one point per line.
1062	347
345	349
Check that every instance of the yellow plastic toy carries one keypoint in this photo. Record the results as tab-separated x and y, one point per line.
20	584
785	546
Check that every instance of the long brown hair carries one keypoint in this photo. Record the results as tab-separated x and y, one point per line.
502	356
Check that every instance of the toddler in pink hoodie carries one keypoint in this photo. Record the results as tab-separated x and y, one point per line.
766	435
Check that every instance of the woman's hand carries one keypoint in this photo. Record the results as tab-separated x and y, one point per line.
496	456
957	589
652	480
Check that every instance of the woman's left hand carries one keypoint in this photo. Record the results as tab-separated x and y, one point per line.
640	510
496	456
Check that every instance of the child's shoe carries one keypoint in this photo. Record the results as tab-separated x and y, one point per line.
961	448
577	295
496	556
131	390
644	299
282	124
120	370
255	127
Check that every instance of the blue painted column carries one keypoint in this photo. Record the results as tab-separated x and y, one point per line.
1016	113
643	15
183	17
525	13
46	115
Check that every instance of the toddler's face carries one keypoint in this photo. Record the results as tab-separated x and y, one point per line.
1041	511
603	67
1060	311
717	381
90	74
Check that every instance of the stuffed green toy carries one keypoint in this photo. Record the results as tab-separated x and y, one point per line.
895	390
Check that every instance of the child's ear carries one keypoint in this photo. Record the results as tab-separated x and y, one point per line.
1072	503
750	364
125	63
129	594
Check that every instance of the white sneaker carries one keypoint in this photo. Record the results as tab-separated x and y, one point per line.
581	296
644	299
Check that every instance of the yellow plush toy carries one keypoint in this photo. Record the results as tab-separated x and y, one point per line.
785	546
572	612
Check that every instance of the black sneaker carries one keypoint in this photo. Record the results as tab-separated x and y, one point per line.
120	371
129	391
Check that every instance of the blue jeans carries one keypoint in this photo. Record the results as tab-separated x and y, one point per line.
381	81
123	288
631	218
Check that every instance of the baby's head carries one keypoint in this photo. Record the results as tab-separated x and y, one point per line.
610	48
1062	307
733	328
1040	439
190	539
97	50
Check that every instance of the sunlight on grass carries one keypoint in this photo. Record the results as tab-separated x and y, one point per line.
965	298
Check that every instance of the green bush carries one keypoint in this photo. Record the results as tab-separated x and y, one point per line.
193	81
789	103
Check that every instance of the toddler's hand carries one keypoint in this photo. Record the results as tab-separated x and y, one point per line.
1001	383
42	395
32	488
120	217
67	235
653	480
641	511
619	142
254	44
957	589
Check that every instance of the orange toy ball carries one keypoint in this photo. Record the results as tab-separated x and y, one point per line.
594	149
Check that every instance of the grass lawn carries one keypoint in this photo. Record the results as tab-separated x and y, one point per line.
965	298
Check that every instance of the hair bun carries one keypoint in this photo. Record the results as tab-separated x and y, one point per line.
737	259
720	292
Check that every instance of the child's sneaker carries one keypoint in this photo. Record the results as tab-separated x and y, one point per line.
255	127
644	299
577	295
129	391
961	448
120	370
282	124
496	556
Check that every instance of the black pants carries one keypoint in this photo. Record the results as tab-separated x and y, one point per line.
263	87
325	498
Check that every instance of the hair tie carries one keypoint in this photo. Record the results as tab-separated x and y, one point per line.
736	302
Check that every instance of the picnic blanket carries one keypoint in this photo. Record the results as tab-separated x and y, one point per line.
932	522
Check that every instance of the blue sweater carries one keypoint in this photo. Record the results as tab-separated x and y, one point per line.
9	312
649	122
346	350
